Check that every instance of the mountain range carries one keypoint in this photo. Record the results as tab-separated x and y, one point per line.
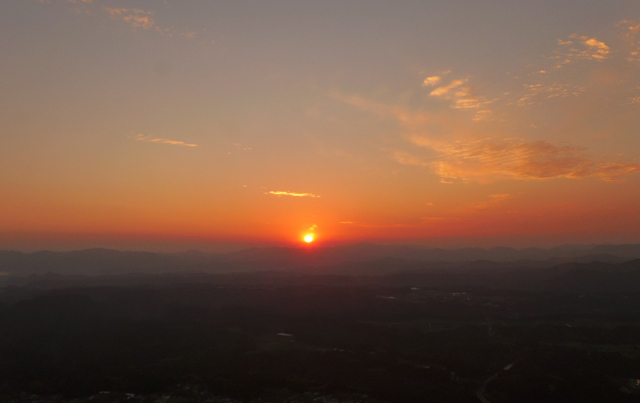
364	258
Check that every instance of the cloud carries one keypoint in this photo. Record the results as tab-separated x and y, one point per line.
534	92
630	30
138	18
580	48
488	160
410	120
142	137
484	114
421	127
430	81
281	193
459	151
135	17
613	171
491	159
445	89
599	50
463	98
564	77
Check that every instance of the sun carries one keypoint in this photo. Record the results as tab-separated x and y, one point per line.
308	238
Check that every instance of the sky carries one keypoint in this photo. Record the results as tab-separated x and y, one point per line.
216	125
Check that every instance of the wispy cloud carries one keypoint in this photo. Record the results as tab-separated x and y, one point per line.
536	92
562	76
135	17
434	80
144	19
458	151
150	139
412	121
630	30
488	160
446	89
484	114
580	48
431	81
282	193
463	98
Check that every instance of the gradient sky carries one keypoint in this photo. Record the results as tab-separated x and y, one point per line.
173	124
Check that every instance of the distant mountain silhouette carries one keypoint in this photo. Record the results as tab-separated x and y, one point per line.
104	268
382	259
369	252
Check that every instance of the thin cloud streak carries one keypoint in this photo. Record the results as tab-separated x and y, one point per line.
282	193
142	137
488	160
445	89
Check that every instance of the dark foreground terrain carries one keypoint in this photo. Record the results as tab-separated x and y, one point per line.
274	337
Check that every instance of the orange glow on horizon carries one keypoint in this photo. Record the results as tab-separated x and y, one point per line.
463	150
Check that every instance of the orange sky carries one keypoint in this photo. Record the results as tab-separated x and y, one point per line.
177	125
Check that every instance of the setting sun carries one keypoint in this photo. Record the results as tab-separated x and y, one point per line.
467	147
